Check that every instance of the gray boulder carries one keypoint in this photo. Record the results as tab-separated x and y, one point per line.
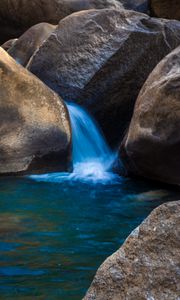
147	265
151	147
17	16
101	59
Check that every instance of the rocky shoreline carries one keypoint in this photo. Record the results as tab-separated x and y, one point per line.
121	61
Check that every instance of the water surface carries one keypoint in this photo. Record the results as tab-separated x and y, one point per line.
54	235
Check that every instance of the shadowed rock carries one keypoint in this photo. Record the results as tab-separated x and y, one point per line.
23	48
147	265
138	5
169	9
101	58
16	16
152	145
34	124
7	45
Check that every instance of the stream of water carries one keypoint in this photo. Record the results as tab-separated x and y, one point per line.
92	158
56	229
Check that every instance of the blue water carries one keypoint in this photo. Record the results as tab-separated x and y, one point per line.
56	229
53	236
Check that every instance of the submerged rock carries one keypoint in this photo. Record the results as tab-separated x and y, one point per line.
152	145
16	16
23	48
169	9
34	124
101	58
147	265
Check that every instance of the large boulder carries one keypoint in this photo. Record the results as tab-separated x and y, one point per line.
147	265
101	58
169	9
35	133
152	145
16	16
23	48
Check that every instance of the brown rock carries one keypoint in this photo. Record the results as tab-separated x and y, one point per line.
152	145
147	266
7	45
34	124
29	42
101	58
16	16
169	9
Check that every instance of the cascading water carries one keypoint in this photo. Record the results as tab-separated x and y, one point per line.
91	155
92	158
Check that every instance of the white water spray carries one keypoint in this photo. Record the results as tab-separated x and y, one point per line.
92	158
91	155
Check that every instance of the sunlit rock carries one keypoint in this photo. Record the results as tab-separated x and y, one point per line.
34	124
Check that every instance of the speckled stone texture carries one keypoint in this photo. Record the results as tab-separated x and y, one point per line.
151	147
147	266
35	134
16	16
101	59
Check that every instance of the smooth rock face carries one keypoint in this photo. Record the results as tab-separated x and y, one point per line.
29	42
147	266
16	16
152	145
169	9
35	133
101	58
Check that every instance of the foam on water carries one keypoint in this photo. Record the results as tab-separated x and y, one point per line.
92	158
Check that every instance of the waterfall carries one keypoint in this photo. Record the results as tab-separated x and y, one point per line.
92	158
91	155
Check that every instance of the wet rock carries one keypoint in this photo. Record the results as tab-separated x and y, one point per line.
152	145
147	265
34	124
101	58
7	45
16	16
169	9
23	48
